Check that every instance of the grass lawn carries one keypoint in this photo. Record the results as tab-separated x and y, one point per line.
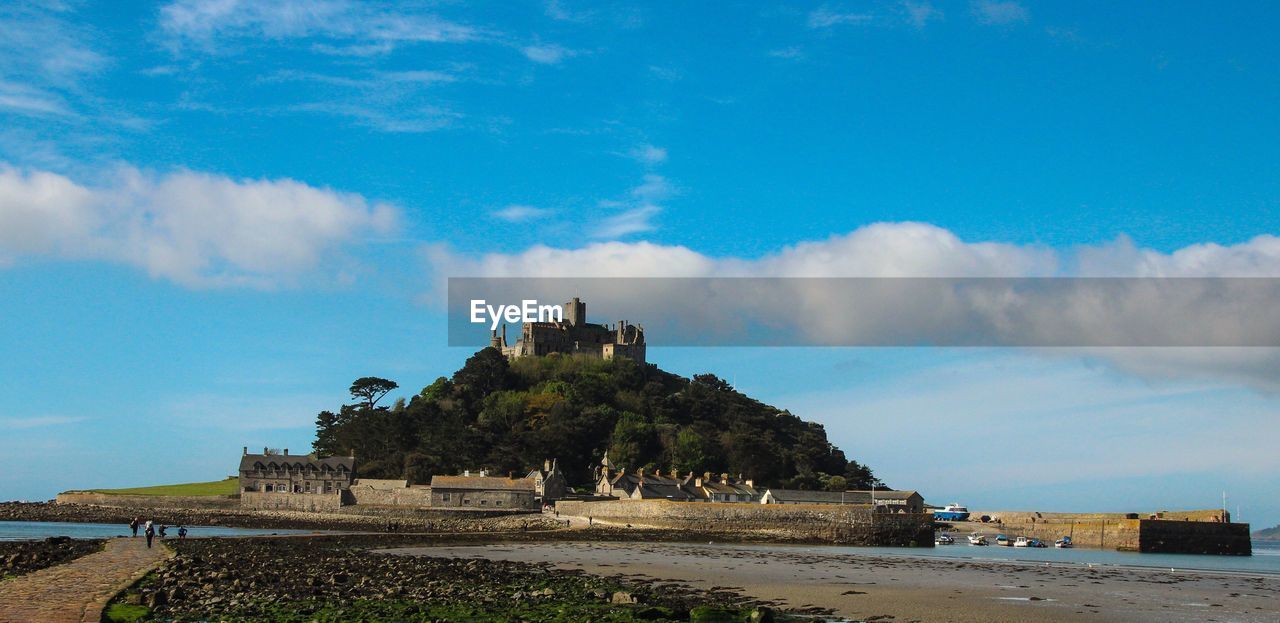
230	486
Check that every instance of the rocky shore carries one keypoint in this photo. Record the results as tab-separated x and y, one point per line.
22	557
425	521
340	578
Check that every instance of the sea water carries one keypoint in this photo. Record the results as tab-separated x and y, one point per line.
1265	558
32	530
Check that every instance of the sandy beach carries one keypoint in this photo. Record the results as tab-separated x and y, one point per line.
886	588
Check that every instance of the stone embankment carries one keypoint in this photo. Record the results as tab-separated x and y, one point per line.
846	524
1180	532
351	518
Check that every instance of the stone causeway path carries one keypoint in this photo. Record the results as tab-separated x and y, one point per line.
78	591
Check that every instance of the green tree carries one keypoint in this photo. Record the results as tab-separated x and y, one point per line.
370	389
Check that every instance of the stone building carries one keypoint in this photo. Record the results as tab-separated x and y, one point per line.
655	485
483	492
285	473
549	482
574	336
888	501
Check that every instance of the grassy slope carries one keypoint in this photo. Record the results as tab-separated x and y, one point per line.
230	486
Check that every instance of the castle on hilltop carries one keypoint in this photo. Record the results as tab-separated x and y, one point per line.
573	335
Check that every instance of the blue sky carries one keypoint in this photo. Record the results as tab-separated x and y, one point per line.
215	214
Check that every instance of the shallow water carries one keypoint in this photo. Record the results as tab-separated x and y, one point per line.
1265	558
31	530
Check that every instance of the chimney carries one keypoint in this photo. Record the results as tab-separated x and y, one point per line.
751	483
697	482
546	465
706	476
264	449
724	478
246	450
286	452
640	472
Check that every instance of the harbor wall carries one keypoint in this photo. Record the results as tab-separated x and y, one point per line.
370	492
1194	531
149	501
310	502
829	523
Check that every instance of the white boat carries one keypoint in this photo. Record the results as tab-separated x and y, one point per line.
978	539
1063	543
944	539
1022	542
951	512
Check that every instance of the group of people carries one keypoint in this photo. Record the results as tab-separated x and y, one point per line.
150	530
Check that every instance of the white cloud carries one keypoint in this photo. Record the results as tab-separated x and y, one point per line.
547	54
922	250
825	17
648	154
359	29
635	220
999	12
45	59
520	213
193	228
920	13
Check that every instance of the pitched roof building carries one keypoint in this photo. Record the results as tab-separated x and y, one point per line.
285	473
483	491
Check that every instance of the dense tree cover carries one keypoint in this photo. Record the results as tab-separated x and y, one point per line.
508	416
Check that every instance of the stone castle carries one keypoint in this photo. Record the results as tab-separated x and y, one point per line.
574	336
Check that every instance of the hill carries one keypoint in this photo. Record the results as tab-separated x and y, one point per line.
509	416
230	486
1268	534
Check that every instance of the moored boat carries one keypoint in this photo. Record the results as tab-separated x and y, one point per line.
1003	540
944	539
978	539
1063	543
1022	542
951	512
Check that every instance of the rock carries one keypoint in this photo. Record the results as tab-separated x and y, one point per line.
761	614
622	597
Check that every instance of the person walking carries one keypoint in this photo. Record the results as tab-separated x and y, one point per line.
133	525
162	529
182	533
151	534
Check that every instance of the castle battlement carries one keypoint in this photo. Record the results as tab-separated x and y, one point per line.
574	336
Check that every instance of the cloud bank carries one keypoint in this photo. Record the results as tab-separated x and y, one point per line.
195	229
923	250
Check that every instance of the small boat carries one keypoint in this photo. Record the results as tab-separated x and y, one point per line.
1036	543
1022	542
978	539
951	512
944	539
1063	543
1003	540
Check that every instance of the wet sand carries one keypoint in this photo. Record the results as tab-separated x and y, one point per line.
900	589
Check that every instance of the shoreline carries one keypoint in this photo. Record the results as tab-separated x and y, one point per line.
913	588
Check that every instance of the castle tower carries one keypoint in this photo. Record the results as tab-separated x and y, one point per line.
575	312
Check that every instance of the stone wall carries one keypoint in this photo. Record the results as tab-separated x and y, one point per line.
149	501
311	502
1194	537
1195	531
831	523
371	492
